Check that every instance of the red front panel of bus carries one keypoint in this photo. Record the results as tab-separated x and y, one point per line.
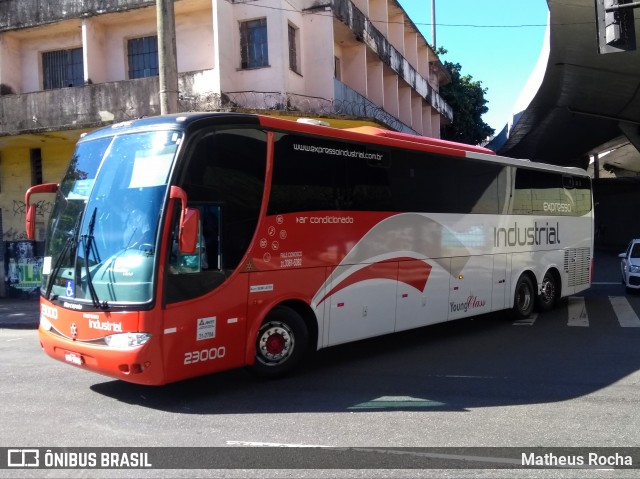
76	337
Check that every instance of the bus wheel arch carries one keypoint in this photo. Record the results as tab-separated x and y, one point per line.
550	290
524	296
283	340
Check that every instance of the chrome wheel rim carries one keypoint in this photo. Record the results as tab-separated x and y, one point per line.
275	343
548	290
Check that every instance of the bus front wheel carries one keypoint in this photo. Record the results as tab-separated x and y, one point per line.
281	343
524	297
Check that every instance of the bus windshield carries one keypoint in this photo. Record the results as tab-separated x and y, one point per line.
103	231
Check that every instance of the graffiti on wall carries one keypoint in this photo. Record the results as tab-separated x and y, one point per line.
19	209
43	207
13	234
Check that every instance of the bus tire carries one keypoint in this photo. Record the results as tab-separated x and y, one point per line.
281	343
548	292
524	297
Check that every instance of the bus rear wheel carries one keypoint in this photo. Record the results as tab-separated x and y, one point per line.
548	292
281	343
524	298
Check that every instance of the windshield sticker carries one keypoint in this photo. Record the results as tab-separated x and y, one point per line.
81	189
151	170
46	265
206	328
71	289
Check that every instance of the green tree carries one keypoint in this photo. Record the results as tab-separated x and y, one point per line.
466	98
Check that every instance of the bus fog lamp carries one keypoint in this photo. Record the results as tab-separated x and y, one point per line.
127	340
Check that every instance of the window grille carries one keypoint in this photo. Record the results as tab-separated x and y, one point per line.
62	68
143	57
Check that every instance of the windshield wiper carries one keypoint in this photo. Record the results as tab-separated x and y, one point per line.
72	242
87	240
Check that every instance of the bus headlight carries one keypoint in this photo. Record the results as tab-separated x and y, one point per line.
126	340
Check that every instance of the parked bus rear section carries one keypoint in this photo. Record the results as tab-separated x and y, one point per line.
183	245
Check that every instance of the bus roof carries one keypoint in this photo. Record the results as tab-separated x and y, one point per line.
370	134
423	140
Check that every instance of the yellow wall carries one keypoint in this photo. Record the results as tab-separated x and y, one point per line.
15	179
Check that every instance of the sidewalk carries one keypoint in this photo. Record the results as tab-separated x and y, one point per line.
19	313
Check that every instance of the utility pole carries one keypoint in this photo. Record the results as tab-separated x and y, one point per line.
433	23
167	58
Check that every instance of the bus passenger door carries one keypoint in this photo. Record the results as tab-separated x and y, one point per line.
205	315
499	283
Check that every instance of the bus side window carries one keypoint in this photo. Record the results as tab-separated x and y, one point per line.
210	237
181	263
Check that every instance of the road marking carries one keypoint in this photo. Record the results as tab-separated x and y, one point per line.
526	321
625	313
270	444
577	312
463	458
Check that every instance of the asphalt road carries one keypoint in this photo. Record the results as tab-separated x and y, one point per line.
569	378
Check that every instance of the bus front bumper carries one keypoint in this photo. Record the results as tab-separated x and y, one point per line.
140	365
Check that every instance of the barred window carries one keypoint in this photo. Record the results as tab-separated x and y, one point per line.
143	57
293	48
62	68
254	51
36	166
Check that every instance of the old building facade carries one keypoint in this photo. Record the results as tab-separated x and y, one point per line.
68	66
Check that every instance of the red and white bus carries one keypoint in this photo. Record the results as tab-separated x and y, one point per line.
183	245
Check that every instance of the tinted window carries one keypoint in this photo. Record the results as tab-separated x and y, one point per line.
310	174
429	183
227	168
549	193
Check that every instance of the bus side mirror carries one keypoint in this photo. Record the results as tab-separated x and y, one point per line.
30	221
188	239
189	222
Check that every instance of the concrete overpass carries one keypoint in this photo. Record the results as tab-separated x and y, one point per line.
581	105
586	103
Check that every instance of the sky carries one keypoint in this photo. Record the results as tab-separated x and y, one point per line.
497	42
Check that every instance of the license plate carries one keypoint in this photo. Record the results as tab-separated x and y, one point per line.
73	358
